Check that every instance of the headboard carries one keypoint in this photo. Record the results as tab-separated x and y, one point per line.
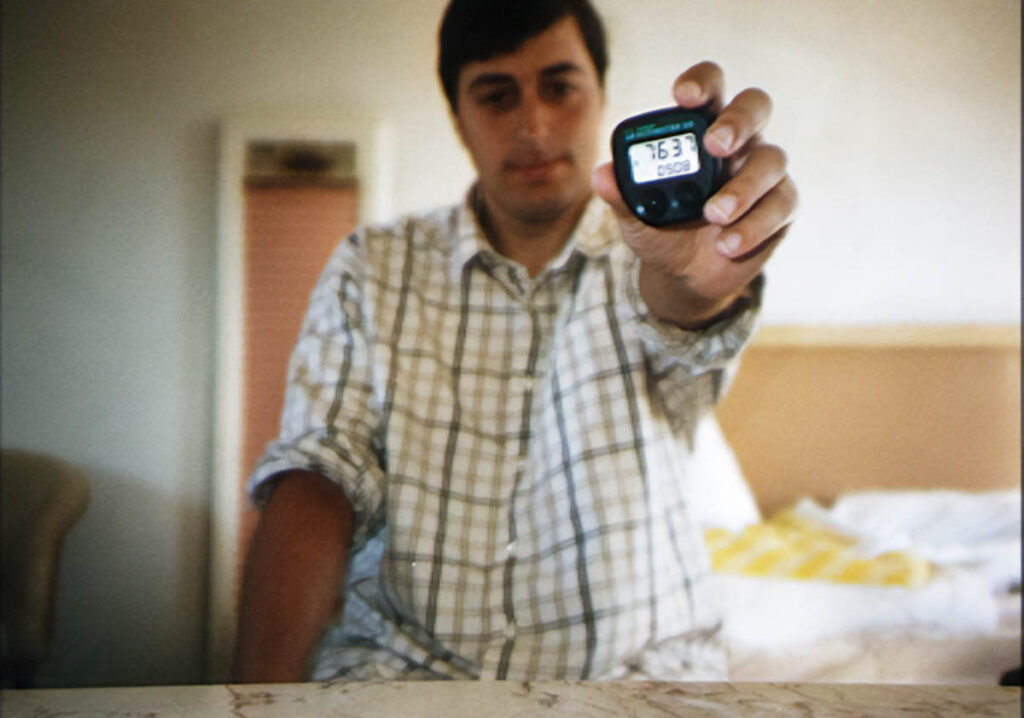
817	411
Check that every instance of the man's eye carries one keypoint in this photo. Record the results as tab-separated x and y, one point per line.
559	89
498	98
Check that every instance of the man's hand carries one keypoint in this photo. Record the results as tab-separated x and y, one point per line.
692	273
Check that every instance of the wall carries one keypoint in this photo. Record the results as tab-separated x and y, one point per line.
901	120
902	124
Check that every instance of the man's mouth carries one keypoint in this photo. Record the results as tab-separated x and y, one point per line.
536	170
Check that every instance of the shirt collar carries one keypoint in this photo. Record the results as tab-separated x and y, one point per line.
594	235
469	236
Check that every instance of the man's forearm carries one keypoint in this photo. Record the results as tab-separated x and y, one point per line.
296	563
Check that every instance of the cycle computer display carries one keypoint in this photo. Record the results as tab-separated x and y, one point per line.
663	171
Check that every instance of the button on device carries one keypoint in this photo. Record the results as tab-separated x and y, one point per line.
652	205
690	195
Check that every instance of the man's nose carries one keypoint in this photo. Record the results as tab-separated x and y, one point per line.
535	118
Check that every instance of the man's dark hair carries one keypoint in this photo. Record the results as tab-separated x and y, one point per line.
473	30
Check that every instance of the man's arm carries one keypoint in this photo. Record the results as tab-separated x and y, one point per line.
293	574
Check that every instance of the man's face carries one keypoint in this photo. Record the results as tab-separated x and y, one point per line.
530	120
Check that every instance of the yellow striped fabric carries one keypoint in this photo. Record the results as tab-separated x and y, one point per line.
796	547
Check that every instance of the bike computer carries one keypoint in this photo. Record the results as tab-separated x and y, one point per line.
661	166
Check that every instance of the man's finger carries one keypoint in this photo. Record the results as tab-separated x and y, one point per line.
602	181
764	168
743	118
702	84
773	213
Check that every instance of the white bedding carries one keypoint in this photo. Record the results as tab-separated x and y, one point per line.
767	613
962	626
884	657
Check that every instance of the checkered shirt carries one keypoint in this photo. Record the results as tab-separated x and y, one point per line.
516	451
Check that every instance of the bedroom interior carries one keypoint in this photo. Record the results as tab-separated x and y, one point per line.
887	368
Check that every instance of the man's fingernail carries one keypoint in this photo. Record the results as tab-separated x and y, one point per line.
729	243
721	136
721	208
688	92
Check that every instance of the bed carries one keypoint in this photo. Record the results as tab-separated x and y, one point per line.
897	450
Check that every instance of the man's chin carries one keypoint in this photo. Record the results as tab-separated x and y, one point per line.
543	212
541	209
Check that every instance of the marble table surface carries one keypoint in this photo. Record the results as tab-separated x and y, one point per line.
511	700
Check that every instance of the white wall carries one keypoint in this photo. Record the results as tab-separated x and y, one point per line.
901	119
902	123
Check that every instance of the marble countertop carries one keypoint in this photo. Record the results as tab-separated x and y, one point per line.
511	700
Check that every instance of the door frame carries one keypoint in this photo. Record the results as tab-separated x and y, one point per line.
372	139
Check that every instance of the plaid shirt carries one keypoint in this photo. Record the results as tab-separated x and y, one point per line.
516	452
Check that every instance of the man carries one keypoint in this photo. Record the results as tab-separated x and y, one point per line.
487	429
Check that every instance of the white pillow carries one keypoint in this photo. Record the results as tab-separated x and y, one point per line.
723	498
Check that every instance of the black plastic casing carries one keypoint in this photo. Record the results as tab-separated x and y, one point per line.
676	199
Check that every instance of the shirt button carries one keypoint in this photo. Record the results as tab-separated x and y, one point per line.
510	630
510	550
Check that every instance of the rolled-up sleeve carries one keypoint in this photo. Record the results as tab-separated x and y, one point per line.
691	369
330	415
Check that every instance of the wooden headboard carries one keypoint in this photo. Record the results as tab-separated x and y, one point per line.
816	411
